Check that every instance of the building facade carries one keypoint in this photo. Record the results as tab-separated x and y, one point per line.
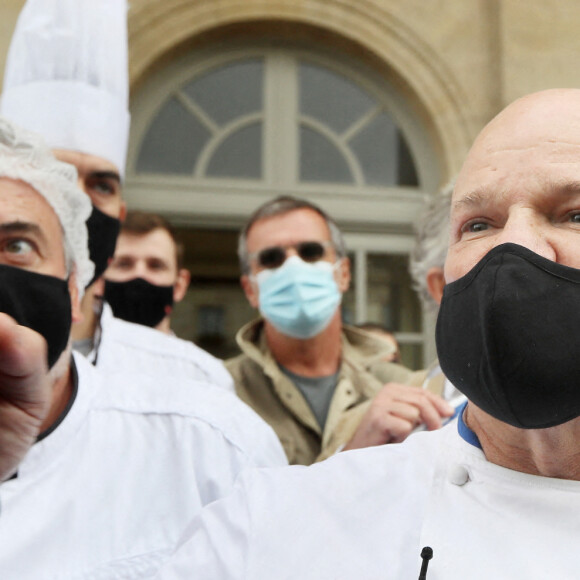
362	106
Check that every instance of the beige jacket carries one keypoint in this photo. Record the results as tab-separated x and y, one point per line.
262	385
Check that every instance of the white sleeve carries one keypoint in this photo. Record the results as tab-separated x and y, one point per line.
215	545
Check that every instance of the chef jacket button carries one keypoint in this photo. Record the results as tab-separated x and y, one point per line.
458	475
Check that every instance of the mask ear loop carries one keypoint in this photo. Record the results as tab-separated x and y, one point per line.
337	264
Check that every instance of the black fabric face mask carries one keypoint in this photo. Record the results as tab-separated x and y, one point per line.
139	301
103	233
508	337
39	302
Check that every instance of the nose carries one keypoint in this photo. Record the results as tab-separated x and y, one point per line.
140	270
291	251
530	229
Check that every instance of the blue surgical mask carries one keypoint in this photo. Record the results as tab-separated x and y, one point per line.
299	299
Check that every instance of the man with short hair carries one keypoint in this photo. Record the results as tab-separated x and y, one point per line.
426	265
119	465
143	281
495	495
66	79
301	369
146	276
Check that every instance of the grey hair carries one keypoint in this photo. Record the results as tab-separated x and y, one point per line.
25	156
279	206
431	242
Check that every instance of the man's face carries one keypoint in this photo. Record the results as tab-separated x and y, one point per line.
150	256
521	184
99	179
31	235
287	231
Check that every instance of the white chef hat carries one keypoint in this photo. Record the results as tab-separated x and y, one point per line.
26	157
66	75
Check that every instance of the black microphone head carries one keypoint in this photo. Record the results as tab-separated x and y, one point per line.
427	553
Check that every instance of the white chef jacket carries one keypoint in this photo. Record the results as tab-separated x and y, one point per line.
367	514
122	345
108	493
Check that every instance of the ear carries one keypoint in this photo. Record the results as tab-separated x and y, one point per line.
123	211
342	275
181	285
250	290
435	283
75	300
98	287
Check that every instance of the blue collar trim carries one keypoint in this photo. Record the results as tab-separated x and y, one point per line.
464	431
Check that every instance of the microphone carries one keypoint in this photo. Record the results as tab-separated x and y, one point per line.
426	554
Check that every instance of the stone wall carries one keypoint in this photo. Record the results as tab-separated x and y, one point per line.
456	61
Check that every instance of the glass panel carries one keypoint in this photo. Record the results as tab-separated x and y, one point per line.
240	155
331	98
230	91
407	169
210	320
173	142
392	302
412	356
376	147
348	305
320	160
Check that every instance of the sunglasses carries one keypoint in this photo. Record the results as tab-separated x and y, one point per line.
275	256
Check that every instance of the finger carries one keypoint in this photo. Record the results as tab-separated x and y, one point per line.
442	406
398	429
413	394
418	407
403	410
22	350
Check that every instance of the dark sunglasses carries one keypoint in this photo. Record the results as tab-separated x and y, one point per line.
275	256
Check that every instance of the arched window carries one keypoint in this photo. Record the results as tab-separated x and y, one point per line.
215	126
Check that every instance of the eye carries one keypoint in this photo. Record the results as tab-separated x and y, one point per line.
575	218
157	265
101	186
478	227
122	264
475	227
18	247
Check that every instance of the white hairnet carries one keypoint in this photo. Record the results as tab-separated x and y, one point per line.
25	156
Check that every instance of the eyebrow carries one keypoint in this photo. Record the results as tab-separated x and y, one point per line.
105	175
474	198
21	228
480	197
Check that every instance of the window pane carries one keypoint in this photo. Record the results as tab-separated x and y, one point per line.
173	141
376	147
391	298
240	155
407	169
412	356
330	98
348	304
229	92
320	160
393	302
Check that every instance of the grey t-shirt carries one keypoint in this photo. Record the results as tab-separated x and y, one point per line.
317	391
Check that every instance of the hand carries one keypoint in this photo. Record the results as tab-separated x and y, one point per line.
395	411
25	391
